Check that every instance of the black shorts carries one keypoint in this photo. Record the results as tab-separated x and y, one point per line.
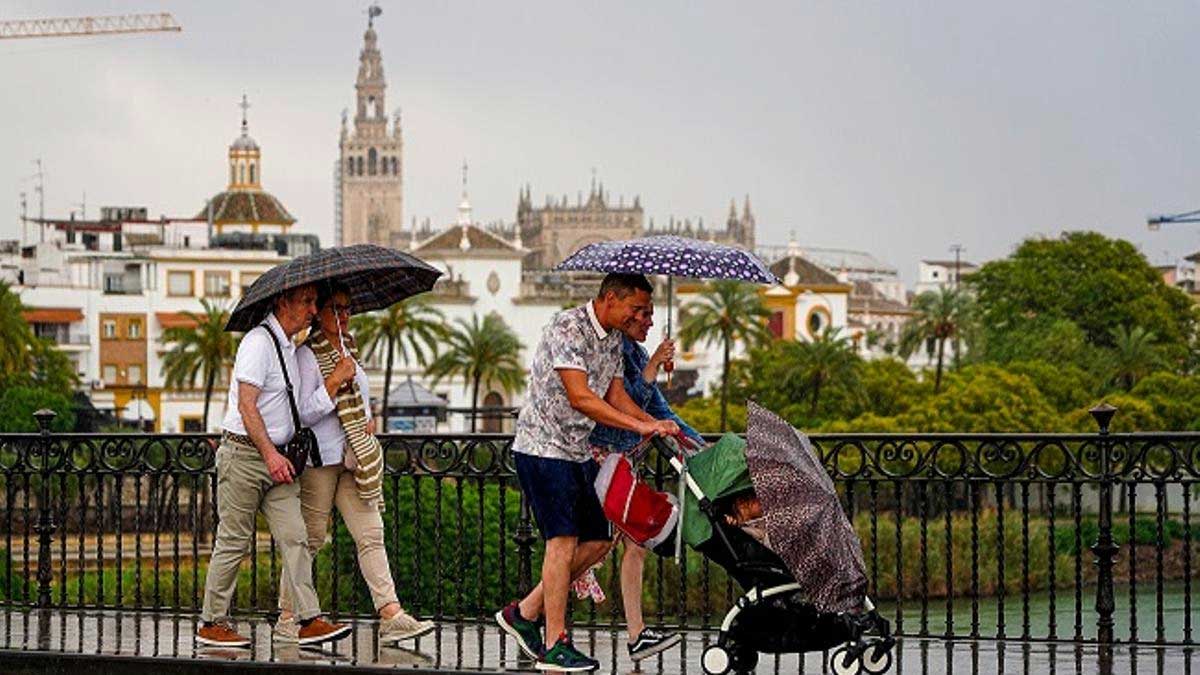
562	495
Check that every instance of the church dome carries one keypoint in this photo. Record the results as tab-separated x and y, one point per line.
243	142
245	207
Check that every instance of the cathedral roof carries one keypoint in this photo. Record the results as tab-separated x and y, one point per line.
864	298
246	207
476	239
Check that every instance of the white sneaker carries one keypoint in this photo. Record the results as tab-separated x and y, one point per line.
286	630
403	626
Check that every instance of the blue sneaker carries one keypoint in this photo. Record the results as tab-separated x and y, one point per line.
564	658
528	634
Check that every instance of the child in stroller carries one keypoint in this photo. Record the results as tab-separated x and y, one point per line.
728	518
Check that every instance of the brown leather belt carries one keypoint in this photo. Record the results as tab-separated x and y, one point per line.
238	439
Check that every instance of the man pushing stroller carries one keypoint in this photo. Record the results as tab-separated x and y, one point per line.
575	381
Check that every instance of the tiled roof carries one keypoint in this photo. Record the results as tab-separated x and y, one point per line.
865	298
479	239
808	273
237	207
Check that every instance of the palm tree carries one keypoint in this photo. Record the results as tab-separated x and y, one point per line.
726	312
830	357
205	349
1134	355
940	316
16	338
410	327
482	352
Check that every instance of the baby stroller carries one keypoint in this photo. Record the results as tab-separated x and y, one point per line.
805	586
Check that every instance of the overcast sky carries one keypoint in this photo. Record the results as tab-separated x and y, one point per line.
888	127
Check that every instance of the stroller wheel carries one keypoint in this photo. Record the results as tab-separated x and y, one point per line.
842	662
877	659
715	660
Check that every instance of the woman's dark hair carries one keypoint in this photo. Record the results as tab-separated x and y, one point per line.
325	292
327	289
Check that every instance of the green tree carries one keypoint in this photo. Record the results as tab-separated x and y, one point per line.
52	370
939	316
829	358
482	352
18	403
16	337
203	350
726	312
1133	356
1066	386
888	387
1088	279
410	327
1175	398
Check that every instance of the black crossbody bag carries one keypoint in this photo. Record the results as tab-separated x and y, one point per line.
303	446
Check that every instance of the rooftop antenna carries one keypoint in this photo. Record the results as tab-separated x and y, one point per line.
24	219
40	188
82	206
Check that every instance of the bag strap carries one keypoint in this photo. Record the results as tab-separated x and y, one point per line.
286	380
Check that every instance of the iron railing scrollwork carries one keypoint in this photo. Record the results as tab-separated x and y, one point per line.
964	535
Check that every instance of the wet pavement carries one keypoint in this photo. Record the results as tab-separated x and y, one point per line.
468	647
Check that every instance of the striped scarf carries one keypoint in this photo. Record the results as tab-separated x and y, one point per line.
368	453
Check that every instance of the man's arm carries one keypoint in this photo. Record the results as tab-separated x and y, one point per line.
658	408
278	466
587	402
618	397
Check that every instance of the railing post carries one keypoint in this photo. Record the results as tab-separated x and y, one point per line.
45	525
524	538
1105	549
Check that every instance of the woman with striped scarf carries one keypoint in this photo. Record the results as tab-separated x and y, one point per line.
334	400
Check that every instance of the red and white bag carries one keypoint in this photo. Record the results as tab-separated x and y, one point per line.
642	513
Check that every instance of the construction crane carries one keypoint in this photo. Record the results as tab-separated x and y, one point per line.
1156	222
163	22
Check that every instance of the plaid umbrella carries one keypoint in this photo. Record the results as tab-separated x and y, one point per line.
805	522
376	276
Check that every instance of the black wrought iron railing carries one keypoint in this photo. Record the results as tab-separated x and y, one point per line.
1080	537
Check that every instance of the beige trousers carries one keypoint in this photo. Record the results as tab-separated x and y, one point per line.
321	488
243	489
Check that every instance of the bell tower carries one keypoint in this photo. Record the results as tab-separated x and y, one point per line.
370	165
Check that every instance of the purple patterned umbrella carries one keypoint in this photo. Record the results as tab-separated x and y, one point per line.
673	256
805	521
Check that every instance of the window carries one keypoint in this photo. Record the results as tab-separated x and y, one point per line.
108	329
189	424
179	284
350	165
134	373
232	174
251	173
248	279
109	373
133	331
358	169
241	173
216	284
372	159
816	321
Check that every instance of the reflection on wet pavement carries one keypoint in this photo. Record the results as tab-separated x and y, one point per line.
481	647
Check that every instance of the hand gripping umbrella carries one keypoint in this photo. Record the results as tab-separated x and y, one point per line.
376	277
674	257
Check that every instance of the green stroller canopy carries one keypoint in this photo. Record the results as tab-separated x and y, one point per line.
720	470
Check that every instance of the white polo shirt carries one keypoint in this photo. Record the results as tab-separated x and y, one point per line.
258	364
